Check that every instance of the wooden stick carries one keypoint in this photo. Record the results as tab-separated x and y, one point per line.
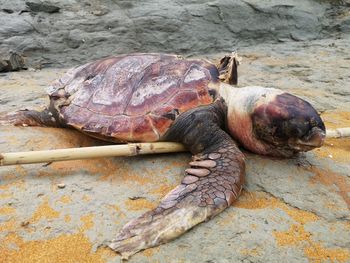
338	133
130	149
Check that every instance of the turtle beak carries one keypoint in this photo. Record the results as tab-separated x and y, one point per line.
314	139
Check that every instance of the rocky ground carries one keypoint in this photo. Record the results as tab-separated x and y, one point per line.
295	210
65	32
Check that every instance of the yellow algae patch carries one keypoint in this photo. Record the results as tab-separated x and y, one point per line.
318	253
15	183
293	236
100	166
106	168
67	218
298	215
86	198
62	249
114	207
106	254
227	218
58	138
336	119
88	222
9	226
260	200
6	195
117	209
20	170
44	211
5	210
172	165
139	204
329	178
163	190
65	199
255	200
314	251
335	149
251	252
150	251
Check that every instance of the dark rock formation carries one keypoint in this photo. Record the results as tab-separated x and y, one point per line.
13	63
57	33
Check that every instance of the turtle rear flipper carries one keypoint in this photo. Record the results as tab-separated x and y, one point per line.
212	184
30	118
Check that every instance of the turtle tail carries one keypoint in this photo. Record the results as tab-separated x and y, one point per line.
26	117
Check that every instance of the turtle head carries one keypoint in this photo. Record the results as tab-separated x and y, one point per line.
272	122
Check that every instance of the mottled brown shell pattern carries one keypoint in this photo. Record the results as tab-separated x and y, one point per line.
133	97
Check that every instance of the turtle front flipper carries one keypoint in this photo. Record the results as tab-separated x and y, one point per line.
43	118
212	183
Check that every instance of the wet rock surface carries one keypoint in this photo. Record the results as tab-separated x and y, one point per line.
61	33
295	210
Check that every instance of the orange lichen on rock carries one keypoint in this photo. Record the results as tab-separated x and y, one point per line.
20	170
10	225
163	190
67	218
298	215
124	173
65	199
260	200
6	210
16	183
61	249
317	253
335	149
99	166
251	252
150	251
6	195
44	211
88	222
114	208
255	200
86	198
293	236
296	235
58	138
139	204
328	178
168	166
336	119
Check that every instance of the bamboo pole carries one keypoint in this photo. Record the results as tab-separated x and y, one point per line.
48	156
130	149
338	133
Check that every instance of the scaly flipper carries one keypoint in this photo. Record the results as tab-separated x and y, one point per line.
212	183
30	118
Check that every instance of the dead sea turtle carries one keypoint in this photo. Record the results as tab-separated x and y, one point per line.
158	97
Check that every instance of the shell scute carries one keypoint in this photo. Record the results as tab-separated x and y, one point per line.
142	129
185	100
161	123
128	97
120	128
76	116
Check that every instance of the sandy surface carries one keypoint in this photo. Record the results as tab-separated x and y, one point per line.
295	210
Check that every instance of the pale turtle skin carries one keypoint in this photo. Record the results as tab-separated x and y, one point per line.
158	97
